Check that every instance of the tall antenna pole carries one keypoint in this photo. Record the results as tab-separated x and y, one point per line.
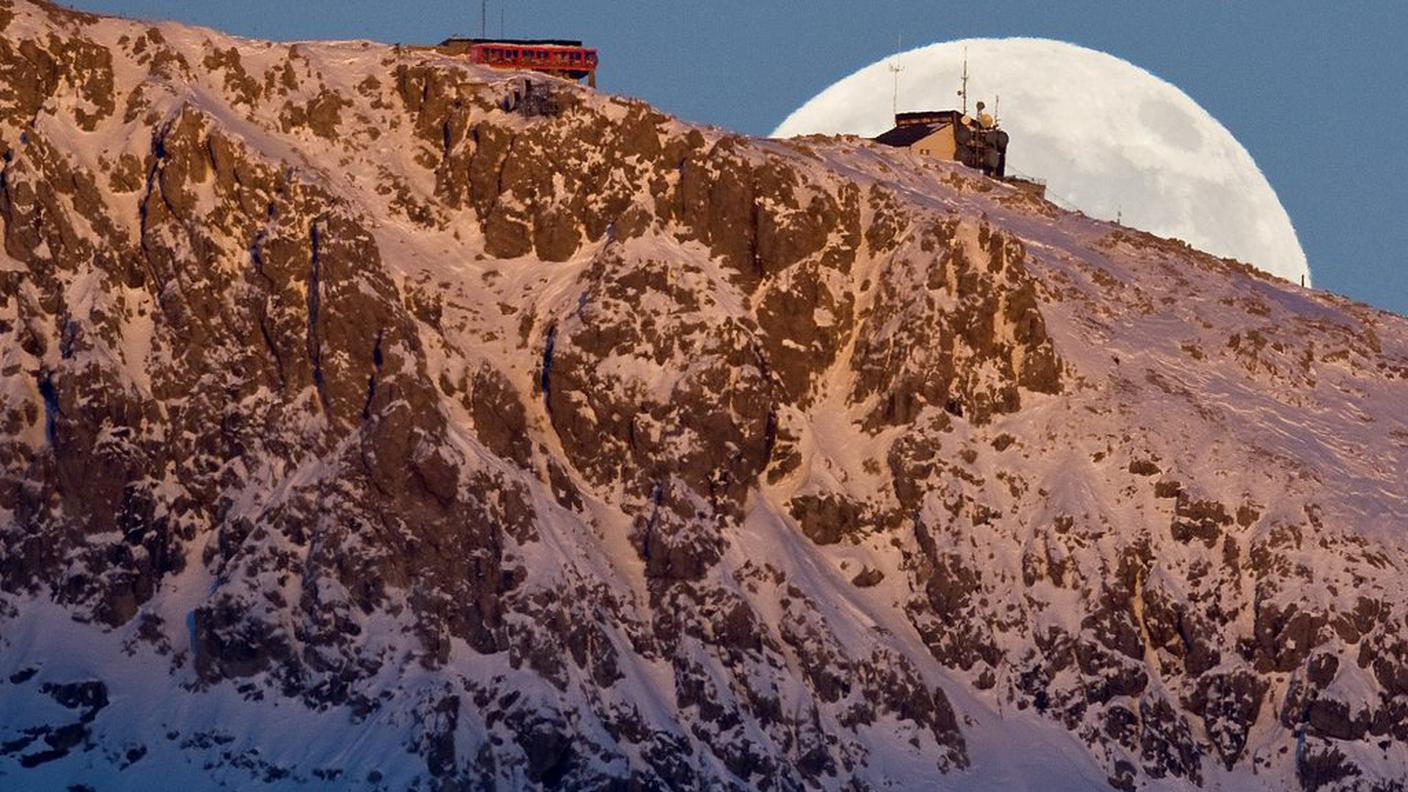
895	68
484	19
963	92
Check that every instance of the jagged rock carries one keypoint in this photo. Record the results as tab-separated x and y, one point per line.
867	577
828	519
90	696
1199	519
1323	765
1144	467
1285	637
1229	704
496	451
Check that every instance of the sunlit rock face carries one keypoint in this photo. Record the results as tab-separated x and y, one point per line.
359	430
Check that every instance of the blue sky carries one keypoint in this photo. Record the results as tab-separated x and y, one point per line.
1316	91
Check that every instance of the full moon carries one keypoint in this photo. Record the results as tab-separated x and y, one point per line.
1109	139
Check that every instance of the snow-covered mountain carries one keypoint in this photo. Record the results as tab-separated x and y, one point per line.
363	427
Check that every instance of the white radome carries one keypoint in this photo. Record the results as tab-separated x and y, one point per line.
1108	137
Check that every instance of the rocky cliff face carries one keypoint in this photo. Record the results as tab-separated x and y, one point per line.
360	429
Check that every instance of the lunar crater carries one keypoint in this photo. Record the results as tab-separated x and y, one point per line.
1172	125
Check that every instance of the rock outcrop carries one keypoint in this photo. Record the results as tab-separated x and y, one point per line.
341	403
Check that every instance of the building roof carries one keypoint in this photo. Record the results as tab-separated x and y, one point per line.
908	134
512	42
928	117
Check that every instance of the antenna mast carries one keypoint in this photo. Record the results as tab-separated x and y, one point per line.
895	68
963	92
484	19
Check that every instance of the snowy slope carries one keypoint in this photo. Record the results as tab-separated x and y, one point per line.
363	431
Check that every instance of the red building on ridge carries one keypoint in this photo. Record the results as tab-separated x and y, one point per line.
558	57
